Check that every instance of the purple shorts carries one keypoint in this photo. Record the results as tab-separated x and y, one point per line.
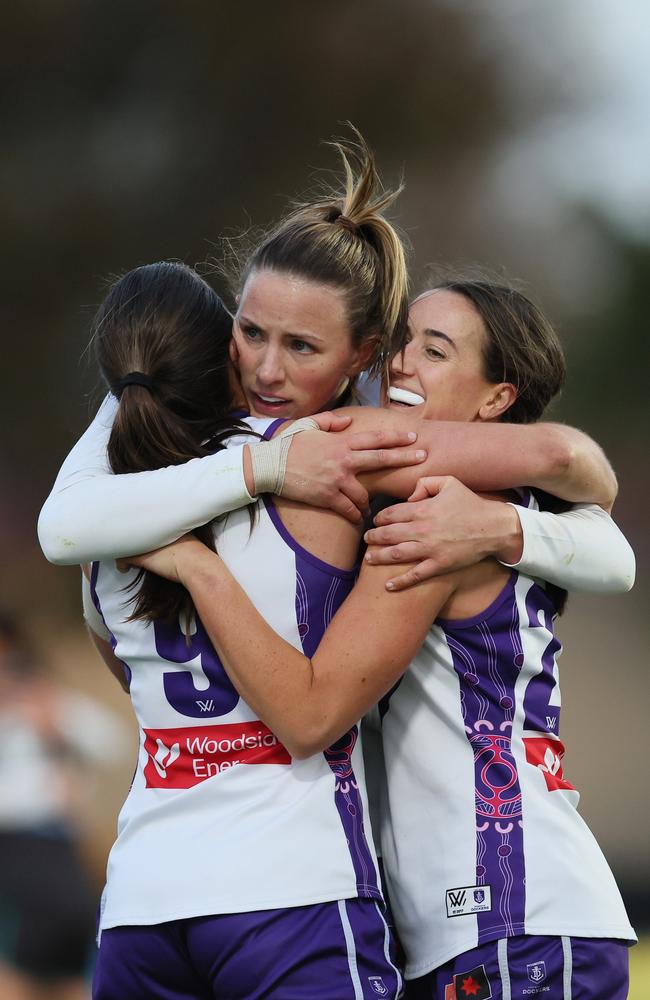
329	951
530	968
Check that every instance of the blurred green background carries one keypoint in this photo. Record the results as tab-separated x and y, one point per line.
140	131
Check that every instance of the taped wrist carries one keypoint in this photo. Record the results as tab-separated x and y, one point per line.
269	458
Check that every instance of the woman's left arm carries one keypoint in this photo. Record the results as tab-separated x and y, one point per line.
560	460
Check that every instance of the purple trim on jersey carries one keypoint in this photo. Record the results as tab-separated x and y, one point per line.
320	591
272	428
526	498
486	654
303	554
539	715
350	809
94	574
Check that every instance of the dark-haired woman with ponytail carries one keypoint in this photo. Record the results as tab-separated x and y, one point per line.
213	888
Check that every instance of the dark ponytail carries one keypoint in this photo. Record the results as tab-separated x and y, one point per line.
161	340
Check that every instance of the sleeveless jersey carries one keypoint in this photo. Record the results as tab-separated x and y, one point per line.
220	818
480	832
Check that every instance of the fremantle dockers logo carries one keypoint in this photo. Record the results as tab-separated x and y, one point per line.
378	986
536	972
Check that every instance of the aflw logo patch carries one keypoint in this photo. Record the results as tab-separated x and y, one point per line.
181	758
468	899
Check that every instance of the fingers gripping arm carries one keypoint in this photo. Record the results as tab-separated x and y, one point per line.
448	527
493	456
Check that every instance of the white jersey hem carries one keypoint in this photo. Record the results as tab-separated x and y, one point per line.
221	908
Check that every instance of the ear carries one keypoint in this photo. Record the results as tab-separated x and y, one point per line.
363	354
500	398
237	299
234	353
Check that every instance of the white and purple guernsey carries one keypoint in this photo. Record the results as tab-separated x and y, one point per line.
480	832
219	818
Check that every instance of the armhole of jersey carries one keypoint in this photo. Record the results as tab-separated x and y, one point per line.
504	594
91	611
287	537
285	534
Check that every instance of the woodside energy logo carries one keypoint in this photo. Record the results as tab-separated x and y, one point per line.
181	758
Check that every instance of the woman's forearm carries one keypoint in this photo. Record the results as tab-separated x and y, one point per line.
92	514
497	456
307	702
581	549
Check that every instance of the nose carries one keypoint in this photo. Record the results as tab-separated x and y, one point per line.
271	368
402	363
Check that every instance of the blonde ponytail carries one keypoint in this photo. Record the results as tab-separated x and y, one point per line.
341	238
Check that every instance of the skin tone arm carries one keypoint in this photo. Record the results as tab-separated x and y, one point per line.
308	703
496	456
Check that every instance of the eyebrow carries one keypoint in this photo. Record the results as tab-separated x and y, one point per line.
290	333
441	336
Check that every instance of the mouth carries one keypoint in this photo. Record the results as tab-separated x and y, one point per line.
269	404
404	396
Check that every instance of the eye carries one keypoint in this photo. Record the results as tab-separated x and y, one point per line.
302	347
251	332
435	354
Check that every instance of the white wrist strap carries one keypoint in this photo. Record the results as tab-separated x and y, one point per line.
269	458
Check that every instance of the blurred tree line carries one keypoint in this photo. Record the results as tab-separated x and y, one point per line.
136	132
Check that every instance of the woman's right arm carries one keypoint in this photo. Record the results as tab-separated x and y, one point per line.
308	702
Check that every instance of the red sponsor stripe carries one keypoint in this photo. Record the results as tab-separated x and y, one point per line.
182	758
546	754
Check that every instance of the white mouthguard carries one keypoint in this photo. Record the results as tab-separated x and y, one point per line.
404	396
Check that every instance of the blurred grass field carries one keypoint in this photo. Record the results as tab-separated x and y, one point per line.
640	970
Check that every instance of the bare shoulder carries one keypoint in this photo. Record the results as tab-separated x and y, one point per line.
477	587
323	533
